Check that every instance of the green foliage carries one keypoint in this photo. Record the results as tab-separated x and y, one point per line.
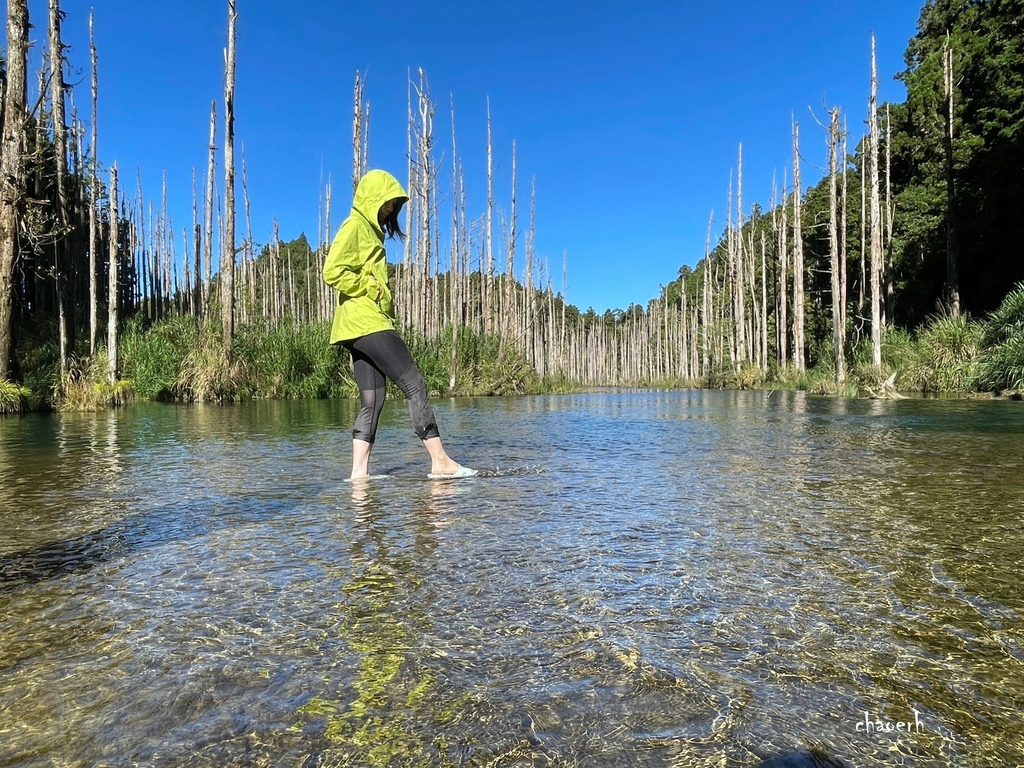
151	358
1001	363
204	374
182	359
84	386
285	361
478	368
869	376
40	364
749	376
942	357
984	156
13	397
948	353
557	384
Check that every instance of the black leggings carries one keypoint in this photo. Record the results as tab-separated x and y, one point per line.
377	357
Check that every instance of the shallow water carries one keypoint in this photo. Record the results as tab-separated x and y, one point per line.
643	579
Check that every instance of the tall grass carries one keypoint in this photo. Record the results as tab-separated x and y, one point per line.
941	357
478	369
84	386
286	361
13	397
181	359
151	358
1001	363
948	353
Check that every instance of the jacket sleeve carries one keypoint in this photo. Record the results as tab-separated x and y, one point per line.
345	268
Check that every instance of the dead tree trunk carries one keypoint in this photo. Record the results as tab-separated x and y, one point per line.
838	298
227	266
357	132
208	212
197	251
94	187
799	356
62	272
783	322
707	304
843	286
862	285
112	282
740	271
952	268
454	278
12	171
876	224
422	202
488	281
507	312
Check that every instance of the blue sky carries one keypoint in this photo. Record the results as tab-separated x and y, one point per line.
628	115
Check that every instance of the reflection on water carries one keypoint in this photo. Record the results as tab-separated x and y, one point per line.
639	579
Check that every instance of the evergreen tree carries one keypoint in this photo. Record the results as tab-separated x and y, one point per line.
985	39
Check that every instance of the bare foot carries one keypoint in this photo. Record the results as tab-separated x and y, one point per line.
444	467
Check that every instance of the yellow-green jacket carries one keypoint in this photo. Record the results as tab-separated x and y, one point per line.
356	265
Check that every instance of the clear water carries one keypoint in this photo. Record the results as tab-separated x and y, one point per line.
644	579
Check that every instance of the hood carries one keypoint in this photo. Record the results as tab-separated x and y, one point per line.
374	189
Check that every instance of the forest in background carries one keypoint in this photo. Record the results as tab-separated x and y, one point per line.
899	270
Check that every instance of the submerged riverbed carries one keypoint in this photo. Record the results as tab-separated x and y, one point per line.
686	579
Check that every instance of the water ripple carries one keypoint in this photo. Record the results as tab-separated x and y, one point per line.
635	579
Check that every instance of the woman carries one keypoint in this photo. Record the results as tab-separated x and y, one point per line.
364	323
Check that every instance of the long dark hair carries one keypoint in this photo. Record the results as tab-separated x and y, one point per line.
391	226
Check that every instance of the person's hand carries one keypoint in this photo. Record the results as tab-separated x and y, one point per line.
378	289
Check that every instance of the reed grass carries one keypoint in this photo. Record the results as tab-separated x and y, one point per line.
84	385
1001	362
181	359
151	357
13	397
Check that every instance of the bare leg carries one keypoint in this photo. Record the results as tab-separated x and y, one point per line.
360	459
440	462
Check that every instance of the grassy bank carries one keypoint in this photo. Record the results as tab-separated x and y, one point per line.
941	358
180	359
949	355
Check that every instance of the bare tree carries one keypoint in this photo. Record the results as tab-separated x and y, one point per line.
507	312
208	211
952	268
799	355
707	300
112	283
454	278
60	256
838	297
197	251
94	186
359	131
782	233
876	224
739	271
488	281
842	238
12	171
227	266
